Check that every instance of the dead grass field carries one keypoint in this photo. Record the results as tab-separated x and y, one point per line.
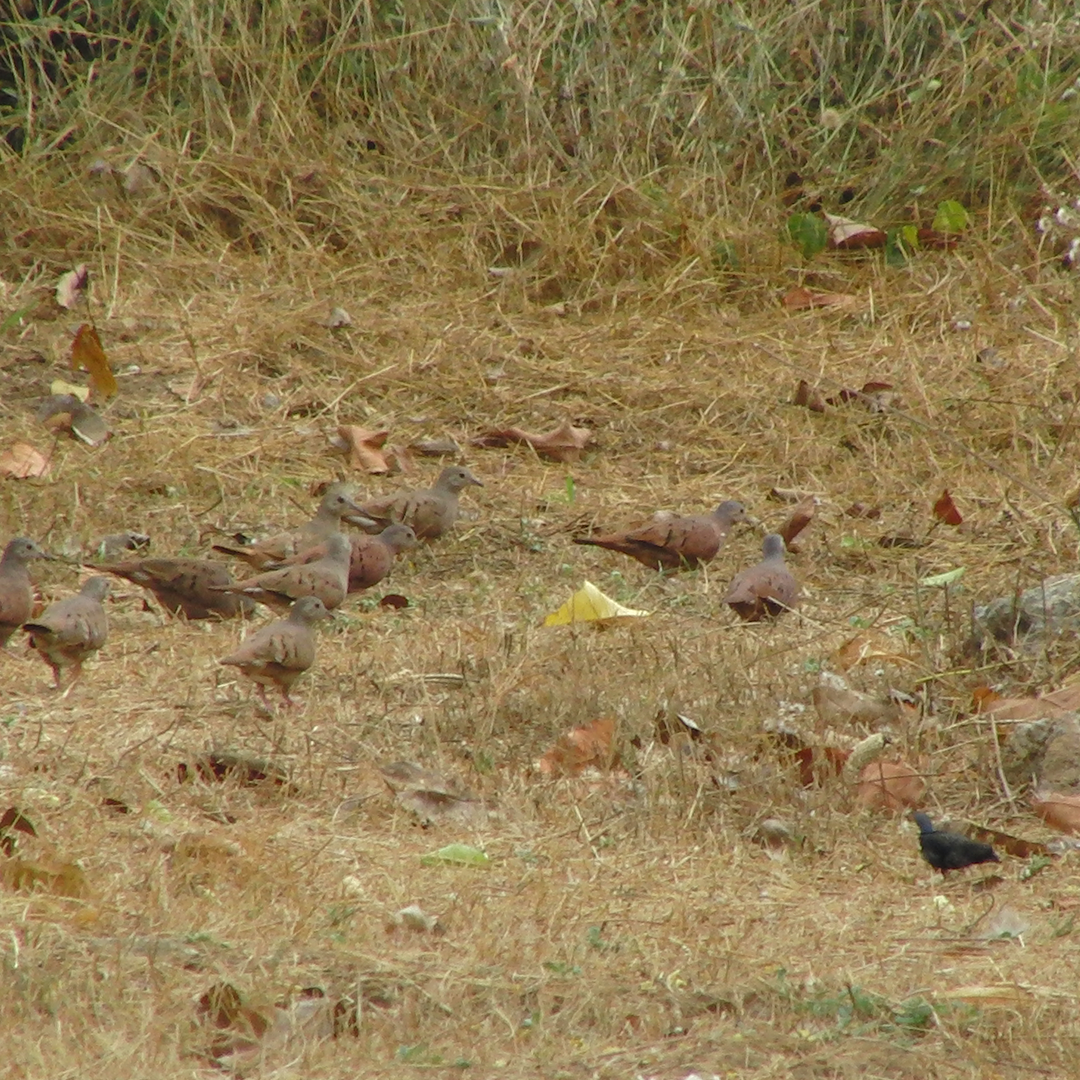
232	172
624	926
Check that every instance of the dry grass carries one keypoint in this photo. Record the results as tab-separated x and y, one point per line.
624	926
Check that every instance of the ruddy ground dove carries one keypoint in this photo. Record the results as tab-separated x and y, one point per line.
279	653
430	512
766	588
185	586
946	851
671	542
336	504
16	588
372	557
327	578
70	630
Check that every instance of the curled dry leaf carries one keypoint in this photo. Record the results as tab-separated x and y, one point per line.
431	796
801	516
48	874
809	397
877	396
889	785
1052	704
139	180
801	298
414	918
14	821
934	239
1061	812
436	448
22	462
565	443
365	447
581	748
1016	846
945	510
848	235
868	647
839	707
861	510
811	757
71	287
236	766
88	355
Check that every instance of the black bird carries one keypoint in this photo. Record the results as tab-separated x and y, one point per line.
946	851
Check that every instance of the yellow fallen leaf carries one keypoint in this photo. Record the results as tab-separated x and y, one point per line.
58	388
589	604
87	354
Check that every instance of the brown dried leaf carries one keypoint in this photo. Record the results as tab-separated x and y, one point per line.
861	510
436	448
240	767
51	875
365	448
71	287
889	785
14	821
1016	846
1064	700
564	444
801	516
934	239
945	509
582	747
431	796
840	707
21	461
848	235
809	397
865	648
1061	812
801	298
88	355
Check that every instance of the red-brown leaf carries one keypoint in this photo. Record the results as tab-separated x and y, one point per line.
945	509
801	516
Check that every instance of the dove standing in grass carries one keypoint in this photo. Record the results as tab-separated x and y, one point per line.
70	630
278	654
673	542
327	578
372	557
947	851
185	586
337	503
765	589
16	588
430	512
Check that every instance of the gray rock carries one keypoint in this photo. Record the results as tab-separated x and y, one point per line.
1050	609
1045	754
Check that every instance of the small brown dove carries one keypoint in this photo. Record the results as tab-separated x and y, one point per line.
327	578
279	653
185	586
70	630
765	589
670	542
16	589
336	504
429	511
372	557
